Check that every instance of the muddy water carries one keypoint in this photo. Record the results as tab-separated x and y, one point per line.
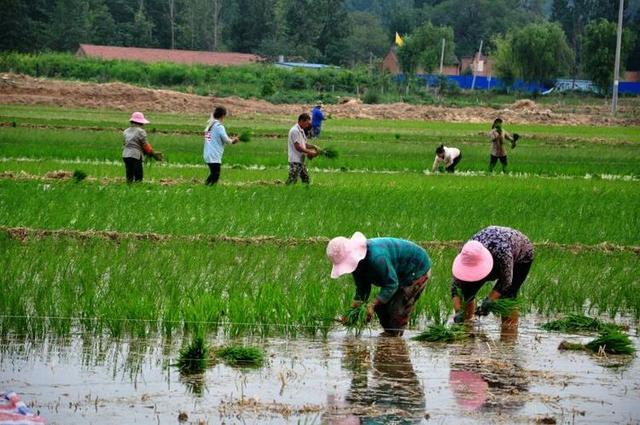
343	380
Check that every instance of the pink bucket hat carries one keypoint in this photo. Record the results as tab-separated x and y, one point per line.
345	254
473	263
138	117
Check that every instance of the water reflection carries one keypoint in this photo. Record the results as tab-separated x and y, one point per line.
486	376
384	387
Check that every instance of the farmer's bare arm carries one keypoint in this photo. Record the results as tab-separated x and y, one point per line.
308	152
435	164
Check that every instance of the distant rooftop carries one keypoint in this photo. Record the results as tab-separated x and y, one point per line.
303	65
166	55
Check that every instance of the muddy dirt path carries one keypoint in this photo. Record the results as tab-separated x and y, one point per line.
24	90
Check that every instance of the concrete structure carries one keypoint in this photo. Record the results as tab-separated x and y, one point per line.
166	55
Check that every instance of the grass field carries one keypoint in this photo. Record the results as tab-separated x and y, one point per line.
571	189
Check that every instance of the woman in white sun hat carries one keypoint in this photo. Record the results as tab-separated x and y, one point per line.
494	253
399	267
135	147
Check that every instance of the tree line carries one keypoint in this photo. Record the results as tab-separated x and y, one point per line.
340	32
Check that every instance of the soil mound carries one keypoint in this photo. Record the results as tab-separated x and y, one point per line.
20	89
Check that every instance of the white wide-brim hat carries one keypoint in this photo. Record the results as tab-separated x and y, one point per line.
345	254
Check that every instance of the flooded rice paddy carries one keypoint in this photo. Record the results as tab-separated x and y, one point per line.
340	380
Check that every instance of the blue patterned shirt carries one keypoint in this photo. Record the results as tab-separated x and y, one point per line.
507	247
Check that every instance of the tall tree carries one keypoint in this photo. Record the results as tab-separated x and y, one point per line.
70	24
142	29
367	38
422	49
599	44
540	52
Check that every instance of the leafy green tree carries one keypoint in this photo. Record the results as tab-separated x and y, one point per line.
70	24
252	22
540	52
599	50
422	49
504	64
367	39
142	28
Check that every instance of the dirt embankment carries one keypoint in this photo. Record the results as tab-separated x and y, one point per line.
20	89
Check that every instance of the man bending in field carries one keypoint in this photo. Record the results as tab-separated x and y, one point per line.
298	148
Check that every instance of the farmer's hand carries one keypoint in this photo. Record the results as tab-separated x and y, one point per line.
312	153
235	139
459	317
370	308
483	309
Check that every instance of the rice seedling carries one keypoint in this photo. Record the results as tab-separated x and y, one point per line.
355	320
504	306
193	358
237	355
578	323
443	333
610	341
79	175
245	136
329	152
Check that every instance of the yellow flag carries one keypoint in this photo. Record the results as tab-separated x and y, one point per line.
399	40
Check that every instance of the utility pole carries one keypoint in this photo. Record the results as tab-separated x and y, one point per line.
616	70
473	82
442	57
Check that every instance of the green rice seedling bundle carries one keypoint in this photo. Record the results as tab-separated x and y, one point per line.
236	355
79	175
245	136
356	319
578	323
443	333
504	306
610	341
193	358
329	152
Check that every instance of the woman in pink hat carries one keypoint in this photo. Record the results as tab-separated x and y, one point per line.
494	253
399	267
135	147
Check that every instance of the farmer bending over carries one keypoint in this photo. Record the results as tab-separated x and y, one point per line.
450	156
135	147
399	267
298	149
498	150
494	253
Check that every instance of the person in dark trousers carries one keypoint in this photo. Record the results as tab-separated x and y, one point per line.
450	156
215	138
498	151
317	116
135	147
298	148
399	267
494	253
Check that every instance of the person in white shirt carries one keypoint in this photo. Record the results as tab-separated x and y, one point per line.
298	148
450	156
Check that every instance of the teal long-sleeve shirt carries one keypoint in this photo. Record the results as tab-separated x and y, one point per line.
390	263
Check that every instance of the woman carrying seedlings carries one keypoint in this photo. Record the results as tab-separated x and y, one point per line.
494	253
135	147
215	137
399	267
450	156
498	150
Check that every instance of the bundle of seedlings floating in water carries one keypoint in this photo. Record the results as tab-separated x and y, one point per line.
504	306
193	358
79	175
610	341
443	333
329	152
236	355
245	136
355	319
578	323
